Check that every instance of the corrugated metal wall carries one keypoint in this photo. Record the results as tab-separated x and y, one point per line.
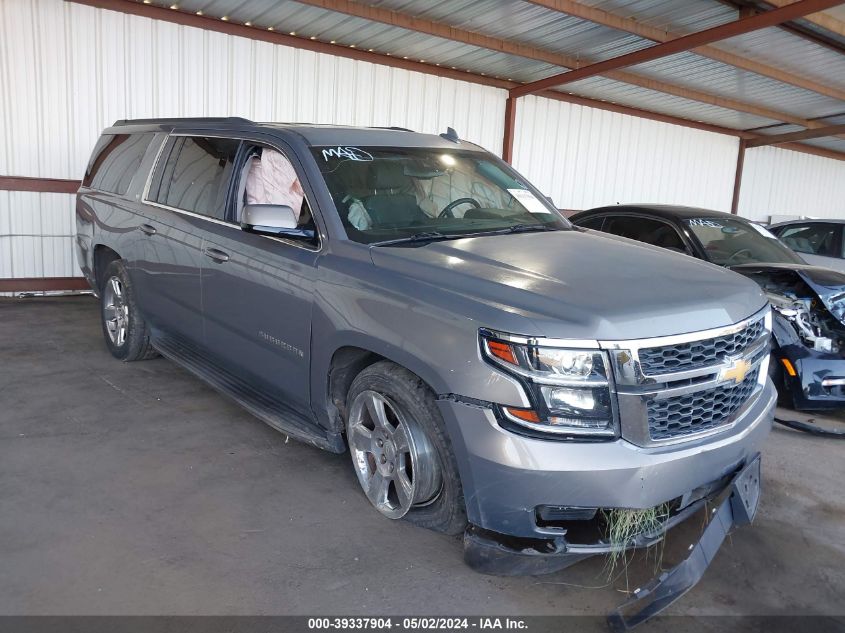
583	158
780	182
67	71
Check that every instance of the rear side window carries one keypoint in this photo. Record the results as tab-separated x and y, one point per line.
196	175
115	161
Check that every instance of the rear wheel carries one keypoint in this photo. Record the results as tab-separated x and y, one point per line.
124	329
400	450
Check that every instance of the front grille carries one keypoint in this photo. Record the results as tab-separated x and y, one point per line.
696	354
699	411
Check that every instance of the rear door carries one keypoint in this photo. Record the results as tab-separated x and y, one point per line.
258	291
818	243
186	194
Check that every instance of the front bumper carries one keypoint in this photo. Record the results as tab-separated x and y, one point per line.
820	383
736	507
506	476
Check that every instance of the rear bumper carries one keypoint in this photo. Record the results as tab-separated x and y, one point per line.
506	476
820	383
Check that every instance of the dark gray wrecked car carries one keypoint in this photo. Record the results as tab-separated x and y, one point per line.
492	370
808	302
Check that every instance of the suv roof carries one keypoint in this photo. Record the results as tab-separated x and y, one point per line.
312	133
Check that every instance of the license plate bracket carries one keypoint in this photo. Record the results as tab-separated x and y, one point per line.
746	493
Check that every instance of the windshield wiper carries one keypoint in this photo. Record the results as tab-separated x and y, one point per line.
525	228
516	228
426	236
434	236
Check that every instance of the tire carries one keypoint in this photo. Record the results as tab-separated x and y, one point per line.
436	499
127	334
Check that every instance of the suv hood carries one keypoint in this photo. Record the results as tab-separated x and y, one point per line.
580	284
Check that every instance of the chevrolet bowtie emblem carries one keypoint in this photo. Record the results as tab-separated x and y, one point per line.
736	372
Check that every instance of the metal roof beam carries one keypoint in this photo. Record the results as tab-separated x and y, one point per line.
629	25
749	7
445	31
274	37
823	20
803	135
678	45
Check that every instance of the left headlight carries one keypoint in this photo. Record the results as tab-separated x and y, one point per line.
569	388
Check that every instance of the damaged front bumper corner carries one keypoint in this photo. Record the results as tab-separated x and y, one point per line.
739	500
819	382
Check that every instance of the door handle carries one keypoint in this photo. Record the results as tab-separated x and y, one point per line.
148	229
217	255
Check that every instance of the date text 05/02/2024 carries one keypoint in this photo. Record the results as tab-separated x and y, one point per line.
417	623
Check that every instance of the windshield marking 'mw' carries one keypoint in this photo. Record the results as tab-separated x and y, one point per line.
349	153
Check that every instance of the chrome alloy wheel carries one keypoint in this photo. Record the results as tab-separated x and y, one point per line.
115	311
395	462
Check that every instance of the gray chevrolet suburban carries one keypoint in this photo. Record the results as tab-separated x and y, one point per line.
492	370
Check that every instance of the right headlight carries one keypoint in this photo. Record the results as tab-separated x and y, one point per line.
569	388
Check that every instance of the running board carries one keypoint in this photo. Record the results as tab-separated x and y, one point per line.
272	411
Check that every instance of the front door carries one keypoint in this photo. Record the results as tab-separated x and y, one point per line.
258	290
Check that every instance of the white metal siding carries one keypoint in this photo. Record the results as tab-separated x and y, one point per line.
67	71
584	157
782	182
36	235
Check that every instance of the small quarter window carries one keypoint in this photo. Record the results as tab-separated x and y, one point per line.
115	161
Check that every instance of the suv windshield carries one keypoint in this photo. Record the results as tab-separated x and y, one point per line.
730	242
419	194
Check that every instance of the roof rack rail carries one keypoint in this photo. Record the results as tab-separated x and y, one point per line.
392	127
222	119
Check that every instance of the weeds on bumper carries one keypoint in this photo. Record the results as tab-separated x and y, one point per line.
625	524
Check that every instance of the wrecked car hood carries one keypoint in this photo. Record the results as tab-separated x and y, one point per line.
827	284
580	284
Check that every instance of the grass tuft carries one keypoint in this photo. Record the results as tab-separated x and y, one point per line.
624	524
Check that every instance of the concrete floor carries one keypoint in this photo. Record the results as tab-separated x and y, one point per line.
134	489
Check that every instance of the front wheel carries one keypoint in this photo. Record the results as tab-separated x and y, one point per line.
127	334
400	450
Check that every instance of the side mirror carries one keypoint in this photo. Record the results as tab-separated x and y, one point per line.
278	220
